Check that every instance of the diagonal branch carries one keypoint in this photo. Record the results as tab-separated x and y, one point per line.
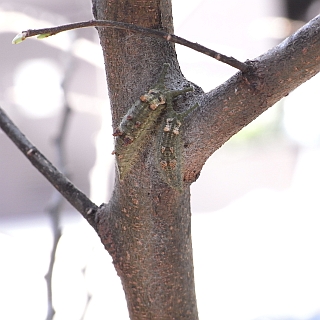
46	32
73	195
234	104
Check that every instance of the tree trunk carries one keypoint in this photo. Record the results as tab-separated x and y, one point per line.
146	227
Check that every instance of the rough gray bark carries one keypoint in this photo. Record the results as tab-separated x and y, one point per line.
227	109
146	225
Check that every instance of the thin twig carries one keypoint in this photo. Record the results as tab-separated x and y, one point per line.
137	29
55	205
56	230
73	195
89	296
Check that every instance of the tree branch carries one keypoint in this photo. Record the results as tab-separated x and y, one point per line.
73	195
55	205
227	109
47	32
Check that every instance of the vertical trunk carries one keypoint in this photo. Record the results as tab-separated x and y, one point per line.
148	235
146	227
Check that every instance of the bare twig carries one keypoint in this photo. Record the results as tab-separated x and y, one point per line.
89	297
73	195
56	229
43	33
55	206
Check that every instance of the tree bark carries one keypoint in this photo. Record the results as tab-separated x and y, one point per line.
227	109
146	227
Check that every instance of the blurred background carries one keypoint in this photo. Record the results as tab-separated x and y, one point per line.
256	210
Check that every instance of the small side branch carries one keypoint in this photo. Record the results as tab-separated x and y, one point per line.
56	238
73	195
55	205
47	32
